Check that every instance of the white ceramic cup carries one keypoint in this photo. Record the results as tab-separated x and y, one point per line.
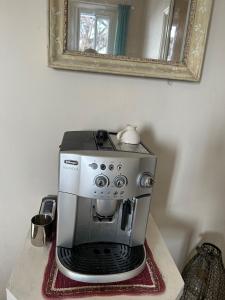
129	135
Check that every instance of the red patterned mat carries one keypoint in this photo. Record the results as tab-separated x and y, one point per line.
56	285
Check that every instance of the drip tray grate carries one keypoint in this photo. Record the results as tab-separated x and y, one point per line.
101	258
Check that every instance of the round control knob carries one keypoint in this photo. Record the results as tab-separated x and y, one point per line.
146	181
101	181
120	181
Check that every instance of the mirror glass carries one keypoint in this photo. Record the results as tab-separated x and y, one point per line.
143	29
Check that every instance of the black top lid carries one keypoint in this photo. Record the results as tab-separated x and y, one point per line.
86	140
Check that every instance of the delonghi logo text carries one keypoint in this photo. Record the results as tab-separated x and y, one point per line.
71	162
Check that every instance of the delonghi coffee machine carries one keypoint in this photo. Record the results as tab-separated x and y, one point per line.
103	205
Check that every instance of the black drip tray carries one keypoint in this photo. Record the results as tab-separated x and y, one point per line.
101	258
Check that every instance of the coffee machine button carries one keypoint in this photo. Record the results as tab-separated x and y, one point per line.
94	166
101	181
111	167
103	167
119	167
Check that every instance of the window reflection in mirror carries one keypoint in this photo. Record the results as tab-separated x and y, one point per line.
153	29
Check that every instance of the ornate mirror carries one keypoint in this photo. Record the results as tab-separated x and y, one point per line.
148	38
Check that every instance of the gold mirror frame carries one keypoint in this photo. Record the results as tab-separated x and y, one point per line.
190	69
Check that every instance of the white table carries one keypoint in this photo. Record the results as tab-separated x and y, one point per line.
26	279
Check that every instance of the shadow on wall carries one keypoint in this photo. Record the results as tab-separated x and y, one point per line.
206	196
177	233
211	177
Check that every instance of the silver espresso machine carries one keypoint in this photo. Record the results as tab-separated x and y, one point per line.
104	197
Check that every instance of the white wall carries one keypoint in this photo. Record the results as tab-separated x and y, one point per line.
184	123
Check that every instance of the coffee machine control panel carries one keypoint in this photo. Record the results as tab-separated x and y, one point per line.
103	177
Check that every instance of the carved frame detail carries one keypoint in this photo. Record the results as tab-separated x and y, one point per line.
190	69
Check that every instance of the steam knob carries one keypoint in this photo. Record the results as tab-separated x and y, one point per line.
101	181
146	181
